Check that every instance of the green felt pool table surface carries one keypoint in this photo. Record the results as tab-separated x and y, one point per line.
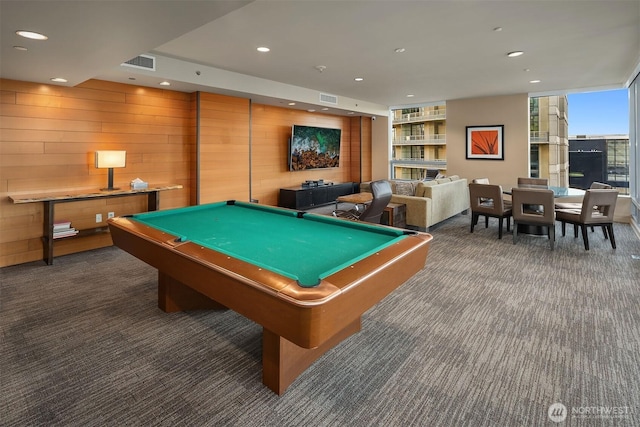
306	248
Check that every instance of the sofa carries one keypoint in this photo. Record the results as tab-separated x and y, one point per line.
429	202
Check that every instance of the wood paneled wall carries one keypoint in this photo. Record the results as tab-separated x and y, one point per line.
223	145
48	136
366	171
270	133
361	149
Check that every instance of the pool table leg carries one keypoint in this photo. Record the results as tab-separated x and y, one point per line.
283	361
174	296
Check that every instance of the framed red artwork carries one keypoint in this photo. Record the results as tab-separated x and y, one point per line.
485	142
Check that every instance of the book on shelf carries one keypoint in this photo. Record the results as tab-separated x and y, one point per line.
57	234
62	228
61	225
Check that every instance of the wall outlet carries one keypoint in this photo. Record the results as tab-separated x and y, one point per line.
110	215
98	217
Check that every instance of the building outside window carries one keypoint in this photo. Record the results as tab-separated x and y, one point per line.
548	139
419	145
618	162
601	158
535	161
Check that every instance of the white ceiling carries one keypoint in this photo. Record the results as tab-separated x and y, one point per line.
451	48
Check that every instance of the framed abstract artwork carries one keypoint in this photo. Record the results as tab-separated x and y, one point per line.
485	142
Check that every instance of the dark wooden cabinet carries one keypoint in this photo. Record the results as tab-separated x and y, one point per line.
308	197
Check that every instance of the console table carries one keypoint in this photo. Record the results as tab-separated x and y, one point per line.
49	201
307	197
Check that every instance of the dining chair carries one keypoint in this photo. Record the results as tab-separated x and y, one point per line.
486	199
381	191
481	181
598	206
486	181
578	205
533	182
534	207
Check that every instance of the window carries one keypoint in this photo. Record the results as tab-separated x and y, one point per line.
535	161
618	164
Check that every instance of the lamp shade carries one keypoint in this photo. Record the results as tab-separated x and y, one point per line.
111	159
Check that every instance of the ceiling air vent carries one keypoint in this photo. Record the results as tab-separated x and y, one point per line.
328	99
144	62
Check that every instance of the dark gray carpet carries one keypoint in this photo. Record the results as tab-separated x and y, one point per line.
488	334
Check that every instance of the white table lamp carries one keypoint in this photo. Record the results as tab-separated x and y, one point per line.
109	159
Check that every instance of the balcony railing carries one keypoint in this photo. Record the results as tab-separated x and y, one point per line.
421	116
539	136
419	163
421	140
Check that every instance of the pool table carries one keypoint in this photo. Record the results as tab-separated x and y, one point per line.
306	278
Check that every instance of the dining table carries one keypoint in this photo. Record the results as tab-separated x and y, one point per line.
558	192
564	194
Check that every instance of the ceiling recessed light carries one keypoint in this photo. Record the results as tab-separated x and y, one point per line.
20	48
263	49
410	95
325	109
350	112
515	53
31	35
292	103
527	69
399	50
534	81
311	111
165	83
497	29
358	79
58	80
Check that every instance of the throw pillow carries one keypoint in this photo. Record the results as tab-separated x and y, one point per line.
404	188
